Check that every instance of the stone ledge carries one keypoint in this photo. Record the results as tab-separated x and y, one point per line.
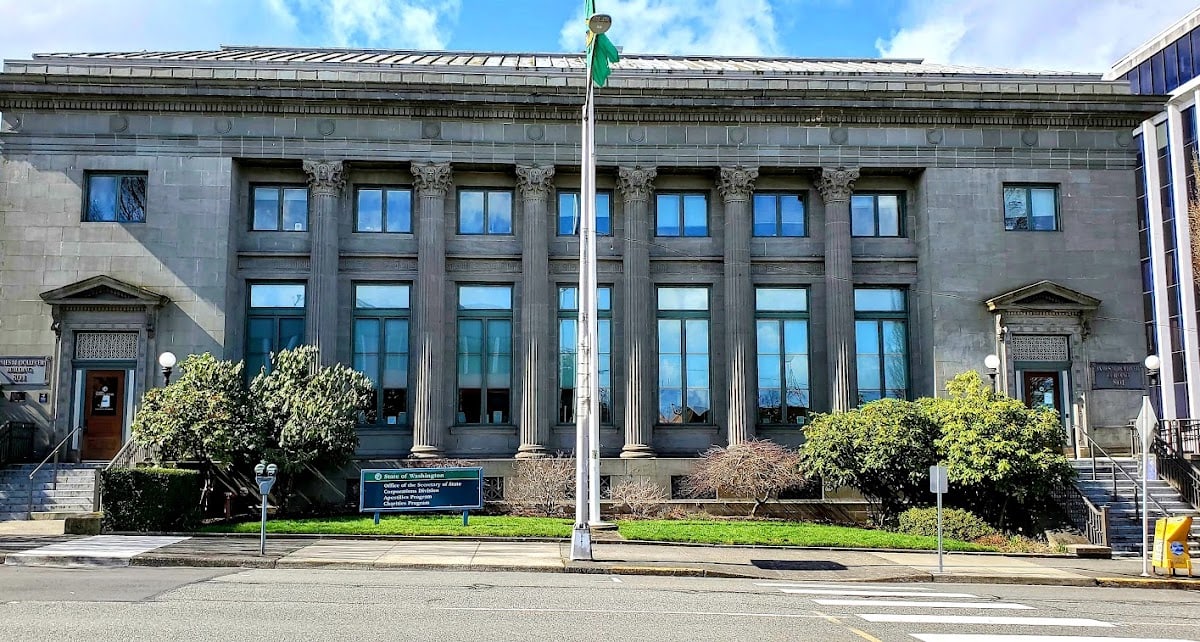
1090	551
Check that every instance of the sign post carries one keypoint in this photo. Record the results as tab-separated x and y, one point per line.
939	483
401	490
1147	425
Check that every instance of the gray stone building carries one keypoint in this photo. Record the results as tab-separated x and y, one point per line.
779	237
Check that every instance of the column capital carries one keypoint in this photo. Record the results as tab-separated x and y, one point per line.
835	184
432	179
737	183
636	182
325	176
535	180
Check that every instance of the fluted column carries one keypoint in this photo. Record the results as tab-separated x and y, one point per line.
534	183
431	182
637	185
325	182
737	186
835	186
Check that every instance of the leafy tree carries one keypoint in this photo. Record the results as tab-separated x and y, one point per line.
883	449
757	469
203	415
1003	459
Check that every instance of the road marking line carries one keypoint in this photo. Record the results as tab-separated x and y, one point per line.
622	612
616	579
984	619
890	587
958	637
936	605
838	621
869	593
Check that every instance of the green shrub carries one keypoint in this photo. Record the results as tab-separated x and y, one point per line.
956	524
150	499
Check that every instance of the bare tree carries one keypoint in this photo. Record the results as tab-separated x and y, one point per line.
756	469
543	484
641	497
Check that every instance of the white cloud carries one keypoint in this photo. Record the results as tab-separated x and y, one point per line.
721	27
409	24
1072	35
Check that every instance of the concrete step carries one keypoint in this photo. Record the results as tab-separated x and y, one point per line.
62	485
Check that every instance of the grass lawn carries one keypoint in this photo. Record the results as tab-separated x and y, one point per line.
781	534
429	525
695	531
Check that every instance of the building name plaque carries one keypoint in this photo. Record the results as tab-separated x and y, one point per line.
1118	376
23	371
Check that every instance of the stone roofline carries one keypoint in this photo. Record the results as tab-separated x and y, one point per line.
1144	51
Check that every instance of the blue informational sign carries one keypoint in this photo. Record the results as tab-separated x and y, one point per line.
417	489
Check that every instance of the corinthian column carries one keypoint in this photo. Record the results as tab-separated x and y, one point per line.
325	182
835	186
533	184
736	187
636	185
432	181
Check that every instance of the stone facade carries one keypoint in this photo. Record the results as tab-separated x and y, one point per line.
204	132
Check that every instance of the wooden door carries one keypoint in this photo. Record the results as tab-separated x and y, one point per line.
103	414
1043	390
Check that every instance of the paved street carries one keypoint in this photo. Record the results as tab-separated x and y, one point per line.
308	604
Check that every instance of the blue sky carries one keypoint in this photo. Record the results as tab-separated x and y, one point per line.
1078	35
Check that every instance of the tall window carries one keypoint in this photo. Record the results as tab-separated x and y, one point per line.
568	338
684	394
569	212
1031	207
275	322
381	314
782	330
881	337
119	198
682	214
876	215
777	214
484	354
383	209
281	208
485	211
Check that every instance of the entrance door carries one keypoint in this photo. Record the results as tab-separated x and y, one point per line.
103	413
1043	390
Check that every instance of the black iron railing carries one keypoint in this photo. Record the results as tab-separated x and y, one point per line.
1177	468
17	442
1090	519
1182	436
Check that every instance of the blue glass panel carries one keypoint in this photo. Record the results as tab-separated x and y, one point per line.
768	337
866	337
796	369
1145	79
670	371
1043	203
781	299
862	215
1195	47
277	295
568	213
604	327
485	297
604	299
795	337
295	209
291	333
399	210
568	298
683	299
499	212
769	372
395	336
499	336
697	371
1134	80
1171	65
765	215
699	402
131	199
603	214
670	405
366	337
668	214
266	208
470	212
670	336
695	336
695	215
878	300
894	337
381	296
1158	74
868	373
102	198
1186	72
889	214
370	210
791	214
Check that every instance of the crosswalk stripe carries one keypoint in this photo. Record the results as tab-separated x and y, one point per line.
960	637
920	603
984	619
868	593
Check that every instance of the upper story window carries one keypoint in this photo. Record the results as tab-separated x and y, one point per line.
682	214
119	198
485	211
282	208
876	214
1031	207
779	214
383	209
274	322
569	211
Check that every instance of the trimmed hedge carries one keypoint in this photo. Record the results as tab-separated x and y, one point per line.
150	499
956	524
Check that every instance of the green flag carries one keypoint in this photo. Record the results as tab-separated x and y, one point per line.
603	51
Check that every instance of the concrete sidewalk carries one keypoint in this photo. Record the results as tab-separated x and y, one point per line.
629	558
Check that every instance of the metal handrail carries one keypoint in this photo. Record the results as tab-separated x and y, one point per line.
1092	520
1113	467
54	483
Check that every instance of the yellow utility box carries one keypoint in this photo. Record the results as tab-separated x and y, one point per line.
1171	545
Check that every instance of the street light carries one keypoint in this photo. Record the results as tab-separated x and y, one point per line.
265	482
1152	363
992	362
167	361
1147	423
